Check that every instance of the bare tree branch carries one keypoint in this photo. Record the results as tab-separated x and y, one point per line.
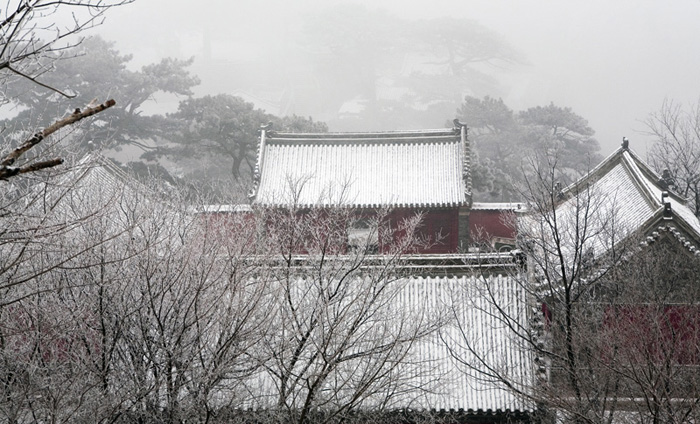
37	82
6	171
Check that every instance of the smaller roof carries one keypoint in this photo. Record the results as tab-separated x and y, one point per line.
93	178
243	208
477	343
625	197
495	206
426	168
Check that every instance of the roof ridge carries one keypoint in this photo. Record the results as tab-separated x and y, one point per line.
653	176
643	170
632	166
360	134
404	139
93	158
499	205
603	165
96	161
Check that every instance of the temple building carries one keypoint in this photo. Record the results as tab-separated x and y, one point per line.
423	172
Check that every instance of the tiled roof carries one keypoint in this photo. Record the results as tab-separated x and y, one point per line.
399	169
449	370
480	342
495	206
625	197
93	180
241	208
95	170
94	184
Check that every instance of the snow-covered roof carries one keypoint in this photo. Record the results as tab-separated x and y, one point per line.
93	165
480	341
428	168
453	369
641	199
620	197
216	208
498	206
94	180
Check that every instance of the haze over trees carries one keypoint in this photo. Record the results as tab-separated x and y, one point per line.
32	44
97	68
394	74
213	138
504	140
218	136
375	71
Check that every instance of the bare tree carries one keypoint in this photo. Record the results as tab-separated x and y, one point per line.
7	170
201	311
571	239
567	232
141	311
608	342
676	150
34	30
649	338
52	236
121	304
344	342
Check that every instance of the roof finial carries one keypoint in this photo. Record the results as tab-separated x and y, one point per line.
667	205
666	181
625	143
558	191
458	124
266	127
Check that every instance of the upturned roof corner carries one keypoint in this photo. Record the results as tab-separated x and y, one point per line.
635	194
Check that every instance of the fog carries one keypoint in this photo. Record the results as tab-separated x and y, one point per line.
612	62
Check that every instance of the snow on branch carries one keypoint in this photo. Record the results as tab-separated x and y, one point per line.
6	168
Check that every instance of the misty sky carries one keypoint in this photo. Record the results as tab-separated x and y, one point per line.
611	62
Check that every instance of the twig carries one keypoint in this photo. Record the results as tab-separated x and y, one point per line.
37	82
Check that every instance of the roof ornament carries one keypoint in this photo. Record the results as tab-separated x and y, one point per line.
625	143
666	181
461	129
559	191
668	214
519	258
259	163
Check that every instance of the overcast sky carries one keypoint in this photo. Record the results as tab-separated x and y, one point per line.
613	62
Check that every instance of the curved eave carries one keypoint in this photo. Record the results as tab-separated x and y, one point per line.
484	412
686	235
445	205
493	206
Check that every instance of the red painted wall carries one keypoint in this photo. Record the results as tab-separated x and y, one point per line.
438	231
651	333
486	224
